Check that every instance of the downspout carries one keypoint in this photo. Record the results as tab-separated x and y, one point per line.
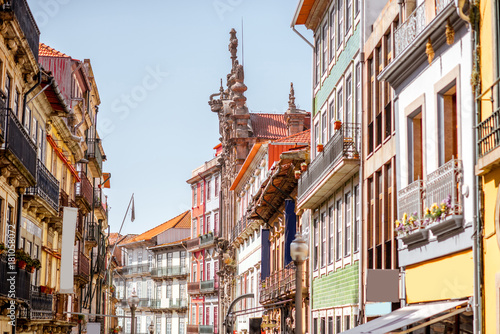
476	182
38	81
400	3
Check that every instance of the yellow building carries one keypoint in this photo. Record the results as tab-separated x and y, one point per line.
488	170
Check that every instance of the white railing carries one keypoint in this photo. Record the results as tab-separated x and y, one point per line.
410	29
443	183
410	199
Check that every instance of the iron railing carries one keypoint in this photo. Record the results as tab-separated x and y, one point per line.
192	243
94	151
441	4
489	133
83	189
206	329
445	182
280	284
81	266
99	199
206	239
169	303
192	329
92	232
410	199
136	269
22	280
26	21
193	287
208	286
41	304
18	141
406	33
343	144
47	186
169	271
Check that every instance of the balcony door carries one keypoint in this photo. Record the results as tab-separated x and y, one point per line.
415	149
447	124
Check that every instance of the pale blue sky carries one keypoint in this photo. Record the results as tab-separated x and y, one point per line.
156	64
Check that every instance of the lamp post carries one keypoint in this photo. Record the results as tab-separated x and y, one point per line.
151	328
299	252
133	301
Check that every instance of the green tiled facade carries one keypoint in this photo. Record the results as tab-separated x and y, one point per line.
337	288
350	50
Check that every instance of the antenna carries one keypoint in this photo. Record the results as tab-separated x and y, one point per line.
242	44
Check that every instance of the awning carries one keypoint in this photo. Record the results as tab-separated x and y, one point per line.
410	315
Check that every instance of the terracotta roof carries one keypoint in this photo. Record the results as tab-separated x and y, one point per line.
268	126
301	137
46	51
181	221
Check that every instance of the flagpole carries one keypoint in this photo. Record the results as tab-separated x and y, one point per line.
114	246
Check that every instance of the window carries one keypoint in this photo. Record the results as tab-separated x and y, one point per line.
169	290
200	315
130	259
27	120
202	192
208	271
138	325
338	324
347	226
357	217
315	326
324	126
158	324
195	196
7	91
357	105
347	322
316	136
170	257
331	217
330	325
357	6
159	259
332	34
323	238
216	223
316	237
325	47
340	105
34	131
216	313
348	98
317	73
209	189
207	315
183	259
208	228
447	124
339	229
128	326
348	18
193	315
150	262
415	142
195	270
332	118
182	289
195	228
16	103
169	325
322	327
139	258
216	187
340	22
150	290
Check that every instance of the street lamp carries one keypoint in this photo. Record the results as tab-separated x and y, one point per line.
133	301
299	252
151	328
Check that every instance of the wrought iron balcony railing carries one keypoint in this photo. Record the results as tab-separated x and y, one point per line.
169	271
406	33
281	284
22	281
94	151
443	183
208	286
136	269
193	243
169	303
41	304
100	201
47	186
81	266
17	142
343	144
206	329
410	199
92	233
193	287
83	189
489	133
206	239
26	21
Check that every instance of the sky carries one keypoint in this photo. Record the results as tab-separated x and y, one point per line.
155	64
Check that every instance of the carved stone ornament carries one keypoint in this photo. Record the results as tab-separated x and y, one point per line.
429	51
450	33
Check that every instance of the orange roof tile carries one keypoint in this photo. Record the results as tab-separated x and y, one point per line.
181	221
47	51
268	126
301	137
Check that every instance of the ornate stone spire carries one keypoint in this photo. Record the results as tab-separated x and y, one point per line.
291	98
233	45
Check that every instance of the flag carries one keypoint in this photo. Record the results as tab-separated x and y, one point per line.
132	216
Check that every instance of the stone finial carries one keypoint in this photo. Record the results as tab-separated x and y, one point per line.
291	98
233	45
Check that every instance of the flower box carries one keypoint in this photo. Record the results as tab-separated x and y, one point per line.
449	223
414	236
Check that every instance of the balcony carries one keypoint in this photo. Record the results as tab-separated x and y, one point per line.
20	10
206	329
81	266
331	168
84	189
92	234
18	148
192	329
193	288
94	156
209	286
169	271
22	281
41	305
47	187
281	285
169	304
206	240
192	244
136	269
100	204
442	187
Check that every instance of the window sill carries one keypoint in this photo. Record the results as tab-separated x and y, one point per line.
389	137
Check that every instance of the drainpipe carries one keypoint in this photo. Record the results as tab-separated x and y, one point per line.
400	3
38	81
476	182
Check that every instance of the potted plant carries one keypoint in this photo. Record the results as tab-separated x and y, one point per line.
36	264
298	173
319	147
21	258
29	266
112	288
337	125
81	318
303	166
43	289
